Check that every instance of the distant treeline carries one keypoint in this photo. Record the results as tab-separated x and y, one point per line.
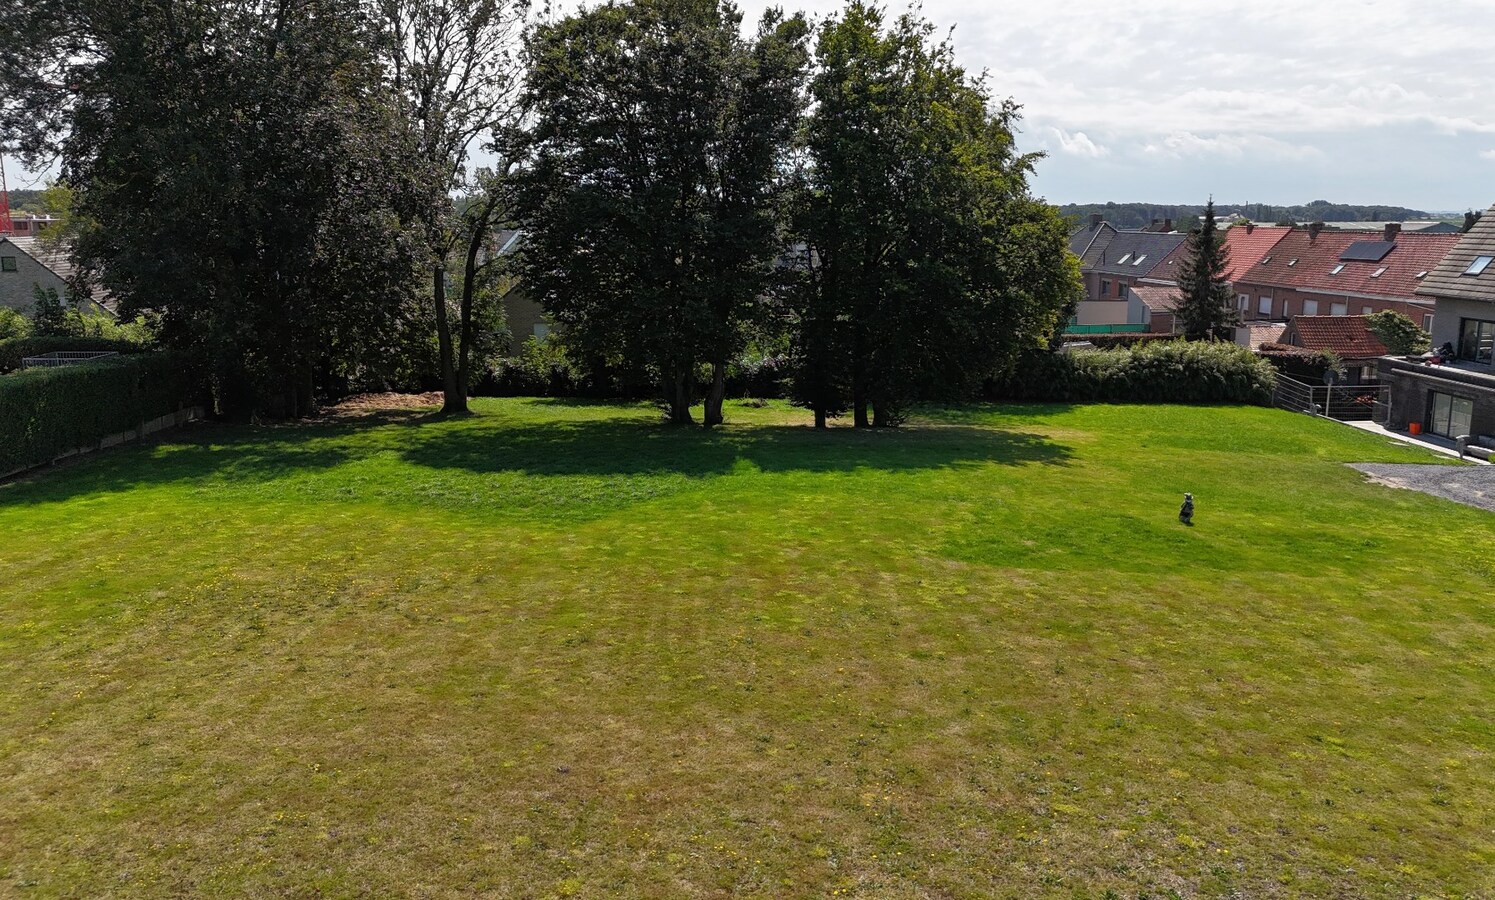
1136	215
26	201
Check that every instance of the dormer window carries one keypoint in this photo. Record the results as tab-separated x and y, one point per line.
1479	265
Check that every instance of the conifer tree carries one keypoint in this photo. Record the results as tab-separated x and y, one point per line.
1205	309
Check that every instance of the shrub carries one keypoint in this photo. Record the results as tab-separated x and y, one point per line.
14	350
1159	372
45	413
542	369
13	324
762	377
1308	365
1401	335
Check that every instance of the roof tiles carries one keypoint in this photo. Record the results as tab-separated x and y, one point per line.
1346	336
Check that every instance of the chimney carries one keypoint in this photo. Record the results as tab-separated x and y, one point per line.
1392	230
1313	229
1096	219
1167	225
1250	227
1471	219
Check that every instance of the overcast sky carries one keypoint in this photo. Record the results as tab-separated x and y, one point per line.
1269	101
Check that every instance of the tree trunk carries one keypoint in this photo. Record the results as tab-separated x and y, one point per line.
454	399
677	391
715	396
820	417
859	383
881	415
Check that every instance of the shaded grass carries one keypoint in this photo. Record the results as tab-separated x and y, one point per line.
556	649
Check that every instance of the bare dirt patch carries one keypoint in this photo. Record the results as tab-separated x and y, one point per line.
1471	486
368	404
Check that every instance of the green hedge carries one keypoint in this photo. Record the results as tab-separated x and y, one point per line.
1172	372
13	350
1112	341
45	413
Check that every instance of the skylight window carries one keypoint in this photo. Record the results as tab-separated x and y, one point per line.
1292	262
1138	260
1479	265
1265	260
1337	269
1423	274
1379	272
1122	261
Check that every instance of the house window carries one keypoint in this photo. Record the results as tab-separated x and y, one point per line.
1287	309
1379	272
1337	269
1264	306
1451	416
1138	260
1105	288
1479	265
1366	310
1120	289
1427	321
542	331
7	263
1338	309
1476	340
1123	260
1244	302
1310	307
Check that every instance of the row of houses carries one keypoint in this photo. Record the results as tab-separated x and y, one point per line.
1311	286
1277	272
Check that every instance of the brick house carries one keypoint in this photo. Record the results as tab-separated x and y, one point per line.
1456	398
1246	246
1347	337
1315	271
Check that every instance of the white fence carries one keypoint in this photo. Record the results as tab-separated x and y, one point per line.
64	358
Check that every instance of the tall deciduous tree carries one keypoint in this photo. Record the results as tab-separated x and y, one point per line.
928	263
1205	305
657	149
236	170
454	64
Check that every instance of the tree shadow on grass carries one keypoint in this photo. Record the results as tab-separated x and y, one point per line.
641	448
228	456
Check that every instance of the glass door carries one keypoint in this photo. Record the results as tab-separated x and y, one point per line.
1451	416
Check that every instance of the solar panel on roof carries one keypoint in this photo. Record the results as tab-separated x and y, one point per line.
1367	251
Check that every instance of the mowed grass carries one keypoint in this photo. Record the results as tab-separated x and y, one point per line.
558	649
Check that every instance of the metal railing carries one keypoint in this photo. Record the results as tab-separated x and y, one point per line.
1345	402
64	358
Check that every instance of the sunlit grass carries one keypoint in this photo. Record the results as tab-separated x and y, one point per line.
558	649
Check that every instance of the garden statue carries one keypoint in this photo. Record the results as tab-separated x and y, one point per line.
1186	512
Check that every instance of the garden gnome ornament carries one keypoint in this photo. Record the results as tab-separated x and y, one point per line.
1186	512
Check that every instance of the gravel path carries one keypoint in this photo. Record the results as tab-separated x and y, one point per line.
1471	486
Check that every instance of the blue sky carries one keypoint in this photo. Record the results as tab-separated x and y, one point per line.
1269	101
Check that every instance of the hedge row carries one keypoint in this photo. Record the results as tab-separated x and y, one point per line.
45	413
1123	339
13	350
1171	372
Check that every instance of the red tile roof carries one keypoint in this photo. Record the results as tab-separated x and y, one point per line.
1246	250
1249	244
1318	256
1157	298
1264	333
1346	336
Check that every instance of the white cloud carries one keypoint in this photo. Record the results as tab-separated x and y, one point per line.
1079	144
1487	154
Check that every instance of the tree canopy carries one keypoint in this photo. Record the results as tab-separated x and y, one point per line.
1206	306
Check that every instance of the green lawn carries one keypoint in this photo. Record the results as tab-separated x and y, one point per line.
561	650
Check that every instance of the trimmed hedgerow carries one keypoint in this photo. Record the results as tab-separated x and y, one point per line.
13	350
1124	339
1171	372
46	413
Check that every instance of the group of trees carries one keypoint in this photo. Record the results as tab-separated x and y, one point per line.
849	191
264	178
288	189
